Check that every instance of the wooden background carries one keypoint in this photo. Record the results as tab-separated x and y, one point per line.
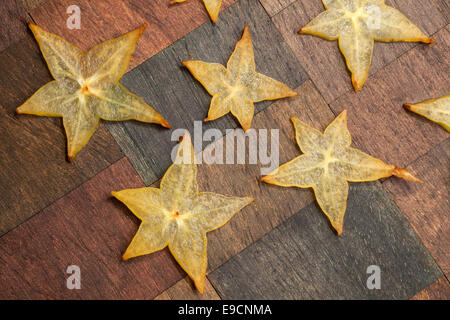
54	214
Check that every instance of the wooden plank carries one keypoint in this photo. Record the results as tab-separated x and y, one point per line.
272	204
440	290
426	205
34	171
32	4
102	20
90	229
14	19
171	89
275	6
377	120
185	290
322	60
304	259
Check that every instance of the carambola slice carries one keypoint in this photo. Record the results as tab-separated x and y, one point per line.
437	110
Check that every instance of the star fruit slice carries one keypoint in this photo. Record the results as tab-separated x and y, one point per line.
178	216
235	88
437	110
212	6
356	24
327	163
86	87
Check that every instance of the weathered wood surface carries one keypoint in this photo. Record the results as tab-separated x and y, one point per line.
377	120
14	20
272	204
103	19
32	4
304	259
169	87
322	59
440	290
427	205
275	6
185	290
90	229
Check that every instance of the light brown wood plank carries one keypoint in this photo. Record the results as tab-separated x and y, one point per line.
274	6
322	59
377	120
427	205
185	290
440	290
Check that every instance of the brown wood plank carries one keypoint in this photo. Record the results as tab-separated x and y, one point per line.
90	229
440	290
427	205
275	6
14	22
272	204
102	20
185	290
304	259
169	87
377	120
32	4
322	59
34	171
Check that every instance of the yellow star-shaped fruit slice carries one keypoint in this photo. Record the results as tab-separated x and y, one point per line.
327	163
212	6
437	110
235	88
356	24
178	216
86	87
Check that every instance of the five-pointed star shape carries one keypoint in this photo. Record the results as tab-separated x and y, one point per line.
235	88
212	6
327	164
178	215
437	110
86	87
356	24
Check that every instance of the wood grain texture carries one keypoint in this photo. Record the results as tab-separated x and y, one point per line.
322	59
14	22
32	4
171	89
304	259
440	290
274	6
90	229
103	19
427	205
272	204
377	120
185	290
34	171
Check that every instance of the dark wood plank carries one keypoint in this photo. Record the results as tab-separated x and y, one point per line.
34	171
102	20
272	204
377	120
304	259
440	290
14	22
426	205
90	229
171	89
322	59
185	290
275	6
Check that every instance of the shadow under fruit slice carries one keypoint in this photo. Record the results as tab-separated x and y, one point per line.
235	88
327	164
86	87
212	6
356	24
437	110
178	216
